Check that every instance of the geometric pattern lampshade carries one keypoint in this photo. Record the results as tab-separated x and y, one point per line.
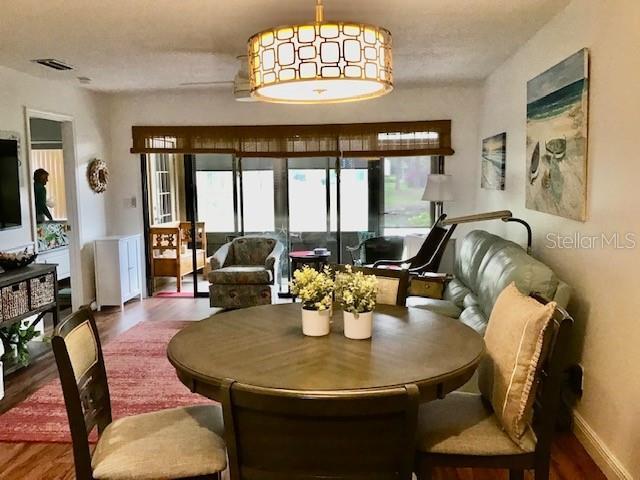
321	62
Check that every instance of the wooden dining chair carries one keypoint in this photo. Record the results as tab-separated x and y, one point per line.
462	431
393	283
176	443
341	435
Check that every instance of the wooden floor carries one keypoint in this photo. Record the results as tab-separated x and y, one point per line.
41	461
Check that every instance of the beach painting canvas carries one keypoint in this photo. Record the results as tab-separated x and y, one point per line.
557	119
494	157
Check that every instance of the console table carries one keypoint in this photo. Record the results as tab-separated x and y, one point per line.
31	291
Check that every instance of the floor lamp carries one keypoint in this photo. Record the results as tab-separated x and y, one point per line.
439	189
504	215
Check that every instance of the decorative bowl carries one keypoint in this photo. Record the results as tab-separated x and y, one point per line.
13	261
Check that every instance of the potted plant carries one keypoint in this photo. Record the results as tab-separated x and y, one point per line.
14	341
357	294
315	290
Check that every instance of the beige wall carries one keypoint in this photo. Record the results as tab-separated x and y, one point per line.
90	113
606	281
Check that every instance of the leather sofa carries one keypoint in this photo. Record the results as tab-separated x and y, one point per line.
243	272
484	266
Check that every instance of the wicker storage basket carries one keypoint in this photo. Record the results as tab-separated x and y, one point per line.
15	300
42	291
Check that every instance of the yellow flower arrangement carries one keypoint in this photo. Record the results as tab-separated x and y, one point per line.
314	288
356	291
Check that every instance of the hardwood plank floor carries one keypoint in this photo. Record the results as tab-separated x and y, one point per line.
42	461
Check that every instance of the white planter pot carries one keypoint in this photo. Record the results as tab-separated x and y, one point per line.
358	326
315	323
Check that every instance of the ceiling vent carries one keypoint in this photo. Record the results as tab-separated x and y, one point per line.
53	63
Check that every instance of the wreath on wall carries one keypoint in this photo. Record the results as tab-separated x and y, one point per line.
98	175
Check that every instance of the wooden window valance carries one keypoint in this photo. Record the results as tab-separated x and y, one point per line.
349	140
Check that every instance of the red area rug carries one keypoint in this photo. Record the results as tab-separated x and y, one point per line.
141	380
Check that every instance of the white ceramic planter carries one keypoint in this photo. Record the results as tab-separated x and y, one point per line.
315	323
358	326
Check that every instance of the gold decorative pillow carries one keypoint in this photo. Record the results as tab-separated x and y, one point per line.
514	342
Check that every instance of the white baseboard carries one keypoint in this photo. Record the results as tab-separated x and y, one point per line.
598	451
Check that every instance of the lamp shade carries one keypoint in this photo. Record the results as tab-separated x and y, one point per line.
439	188
320	62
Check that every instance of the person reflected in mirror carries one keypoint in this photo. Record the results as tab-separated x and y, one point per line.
40	179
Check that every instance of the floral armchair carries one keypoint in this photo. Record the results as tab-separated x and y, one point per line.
243	271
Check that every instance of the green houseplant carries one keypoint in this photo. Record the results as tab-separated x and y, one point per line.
315	290
15	339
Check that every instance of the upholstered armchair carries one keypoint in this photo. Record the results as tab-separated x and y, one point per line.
243	271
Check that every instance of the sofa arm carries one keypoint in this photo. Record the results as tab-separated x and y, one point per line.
220	257
274	257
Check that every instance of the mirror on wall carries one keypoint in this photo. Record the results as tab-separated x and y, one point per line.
10	211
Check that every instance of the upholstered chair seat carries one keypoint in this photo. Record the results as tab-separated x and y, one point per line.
178	443
175	443
241	274
510	423
463	424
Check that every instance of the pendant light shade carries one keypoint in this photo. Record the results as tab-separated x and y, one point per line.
321	62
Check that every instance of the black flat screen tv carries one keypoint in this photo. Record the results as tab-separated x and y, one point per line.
10	213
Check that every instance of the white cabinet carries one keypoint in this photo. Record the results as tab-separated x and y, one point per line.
117	262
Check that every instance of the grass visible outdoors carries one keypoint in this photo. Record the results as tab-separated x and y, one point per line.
404	206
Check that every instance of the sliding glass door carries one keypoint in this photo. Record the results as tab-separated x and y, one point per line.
303	202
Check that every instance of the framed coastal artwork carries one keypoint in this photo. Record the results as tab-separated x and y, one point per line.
494	157
557	121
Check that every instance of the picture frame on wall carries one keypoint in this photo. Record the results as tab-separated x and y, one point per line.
494	160
557	138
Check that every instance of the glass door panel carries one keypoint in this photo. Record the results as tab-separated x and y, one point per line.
359	217
258	200
263	202
168	206
216	204
310	224
404	210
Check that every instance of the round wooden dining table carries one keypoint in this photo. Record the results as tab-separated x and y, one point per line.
264	346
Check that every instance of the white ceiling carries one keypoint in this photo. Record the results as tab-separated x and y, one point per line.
159	44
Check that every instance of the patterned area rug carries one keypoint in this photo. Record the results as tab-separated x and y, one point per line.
141	380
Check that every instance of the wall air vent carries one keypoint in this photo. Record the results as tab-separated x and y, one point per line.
53	63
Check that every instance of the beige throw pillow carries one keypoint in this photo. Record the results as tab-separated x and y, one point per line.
514	341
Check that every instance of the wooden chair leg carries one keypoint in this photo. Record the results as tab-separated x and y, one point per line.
516	474
179	283
424	468
541	470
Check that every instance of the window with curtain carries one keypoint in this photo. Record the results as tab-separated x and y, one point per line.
52	160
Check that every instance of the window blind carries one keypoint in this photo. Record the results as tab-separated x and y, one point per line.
354	140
